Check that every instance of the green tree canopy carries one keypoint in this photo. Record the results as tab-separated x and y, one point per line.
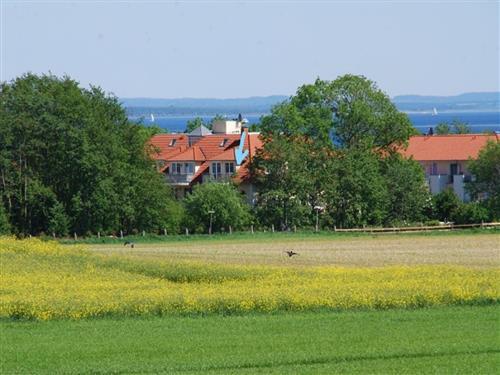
223	200
358	194
4	221
486	172
409	196
71	160
456	127
445	204
350	111
333	145
287	191
443	128
460	127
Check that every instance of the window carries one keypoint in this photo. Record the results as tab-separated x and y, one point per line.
172	142
434	168
229	168
216	169
176	168
188	168
453	169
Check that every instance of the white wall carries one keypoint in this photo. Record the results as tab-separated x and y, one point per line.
226	127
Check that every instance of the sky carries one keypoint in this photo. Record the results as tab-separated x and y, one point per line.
231	49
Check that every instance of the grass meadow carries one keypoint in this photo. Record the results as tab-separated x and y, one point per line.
385	304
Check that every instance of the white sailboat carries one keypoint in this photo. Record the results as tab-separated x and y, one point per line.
434	111
152	118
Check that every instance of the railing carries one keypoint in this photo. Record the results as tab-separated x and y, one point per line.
420	228
218	178
179	178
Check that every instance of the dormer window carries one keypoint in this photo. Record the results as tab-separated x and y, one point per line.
172	142
223	143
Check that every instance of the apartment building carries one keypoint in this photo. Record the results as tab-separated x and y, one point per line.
204	155
444	159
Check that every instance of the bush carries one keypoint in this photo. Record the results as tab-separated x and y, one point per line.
59	221
470	213
223	200
445	204
487	178
4	221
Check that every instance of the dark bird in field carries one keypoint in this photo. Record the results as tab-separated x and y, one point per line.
129	243
291	253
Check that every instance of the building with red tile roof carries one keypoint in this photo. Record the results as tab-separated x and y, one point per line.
187	159
444	158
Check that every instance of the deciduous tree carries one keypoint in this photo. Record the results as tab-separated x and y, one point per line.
220	202
71	152
486	172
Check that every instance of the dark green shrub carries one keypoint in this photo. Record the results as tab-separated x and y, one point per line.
470	213
445	204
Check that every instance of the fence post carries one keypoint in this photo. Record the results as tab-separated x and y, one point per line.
251	228
121	234
187	232
294	228
53	235
75	236
143	233
98	234
230	229
164	231
272	228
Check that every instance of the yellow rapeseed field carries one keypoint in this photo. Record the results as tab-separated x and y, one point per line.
44	280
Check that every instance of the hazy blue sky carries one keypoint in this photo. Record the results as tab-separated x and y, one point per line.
238	49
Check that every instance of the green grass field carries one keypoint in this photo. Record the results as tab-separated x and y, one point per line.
441	340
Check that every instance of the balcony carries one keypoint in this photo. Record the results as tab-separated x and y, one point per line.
437	183
179	179
217	178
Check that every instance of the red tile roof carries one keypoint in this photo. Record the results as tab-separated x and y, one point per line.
163	141
447	147
214	144
227	155
207	148
193	153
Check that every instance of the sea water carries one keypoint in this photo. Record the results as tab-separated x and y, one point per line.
478	122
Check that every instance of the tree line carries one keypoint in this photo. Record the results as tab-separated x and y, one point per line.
334	148
71	161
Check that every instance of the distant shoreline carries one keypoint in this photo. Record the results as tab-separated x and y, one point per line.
258	114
